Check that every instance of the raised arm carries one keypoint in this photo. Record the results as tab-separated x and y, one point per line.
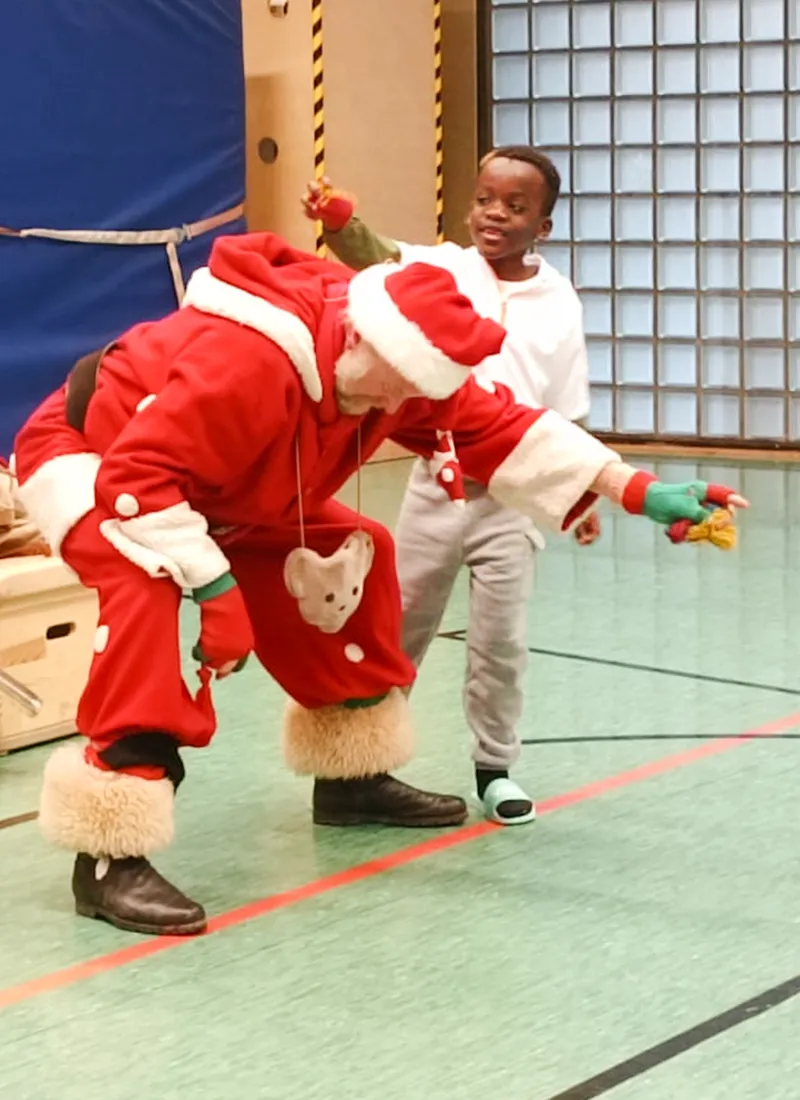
354	243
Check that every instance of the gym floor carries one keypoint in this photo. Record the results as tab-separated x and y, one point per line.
639	941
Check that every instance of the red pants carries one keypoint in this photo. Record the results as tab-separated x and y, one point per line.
135	683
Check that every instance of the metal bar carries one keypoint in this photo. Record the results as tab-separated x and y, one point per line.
667	47
484	83
687	292
318	73
681	194
654	147
571	135
698	367
742	233
732	442
438	120
612	244
625	97
717	342
675	387
22	695
787	382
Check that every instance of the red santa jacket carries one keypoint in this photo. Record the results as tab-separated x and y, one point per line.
199	421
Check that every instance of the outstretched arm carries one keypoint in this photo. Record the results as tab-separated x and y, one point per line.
536	462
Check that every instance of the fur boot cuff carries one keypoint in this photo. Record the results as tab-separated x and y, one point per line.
104	814
339	742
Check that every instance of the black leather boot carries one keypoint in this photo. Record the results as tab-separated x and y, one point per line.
383	800
132	895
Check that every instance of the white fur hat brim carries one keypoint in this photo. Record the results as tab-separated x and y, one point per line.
399	341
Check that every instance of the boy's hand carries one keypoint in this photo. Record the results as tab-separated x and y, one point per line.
321	203
588	530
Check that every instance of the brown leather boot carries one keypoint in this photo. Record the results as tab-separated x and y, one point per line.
383	800
133	896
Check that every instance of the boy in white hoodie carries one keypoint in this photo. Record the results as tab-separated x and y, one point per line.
544	362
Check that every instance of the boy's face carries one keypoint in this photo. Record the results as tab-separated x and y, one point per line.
507	213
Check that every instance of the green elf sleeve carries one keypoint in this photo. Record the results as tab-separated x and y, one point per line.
352	242
357	246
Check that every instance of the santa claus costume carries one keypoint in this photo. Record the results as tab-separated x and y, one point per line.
202	452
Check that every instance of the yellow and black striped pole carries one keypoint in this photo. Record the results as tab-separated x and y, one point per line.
438	117
319	105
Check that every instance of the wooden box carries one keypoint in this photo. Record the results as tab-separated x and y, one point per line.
48	622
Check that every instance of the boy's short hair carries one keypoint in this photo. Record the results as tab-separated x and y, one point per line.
538	160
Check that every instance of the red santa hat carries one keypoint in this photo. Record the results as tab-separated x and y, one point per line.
418	321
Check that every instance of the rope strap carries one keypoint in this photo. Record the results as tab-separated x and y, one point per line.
170	238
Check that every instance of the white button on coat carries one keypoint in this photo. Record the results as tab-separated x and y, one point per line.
126	505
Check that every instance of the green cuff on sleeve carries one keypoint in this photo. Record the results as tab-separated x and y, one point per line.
214	588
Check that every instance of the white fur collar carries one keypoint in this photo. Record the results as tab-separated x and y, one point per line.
211	295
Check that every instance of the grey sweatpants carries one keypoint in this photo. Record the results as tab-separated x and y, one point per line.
434	539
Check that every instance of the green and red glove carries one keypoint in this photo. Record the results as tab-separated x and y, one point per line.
333	208
677	507
226	636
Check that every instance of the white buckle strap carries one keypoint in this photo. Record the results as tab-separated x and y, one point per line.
170	238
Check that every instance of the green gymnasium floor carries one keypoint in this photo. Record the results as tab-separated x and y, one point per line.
640	941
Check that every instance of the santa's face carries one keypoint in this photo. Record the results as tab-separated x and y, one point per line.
364	381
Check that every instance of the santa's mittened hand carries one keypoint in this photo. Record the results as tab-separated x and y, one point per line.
226	636
667	504
333	208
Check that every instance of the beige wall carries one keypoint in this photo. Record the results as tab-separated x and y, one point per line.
378	112
379	118
459	84
380	121
277	65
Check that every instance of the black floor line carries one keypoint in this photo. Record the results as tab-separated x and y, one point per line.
678	1044
460	636
622	737
18	819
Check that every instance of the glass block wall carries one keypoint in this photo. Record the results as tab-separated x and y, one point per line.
676	127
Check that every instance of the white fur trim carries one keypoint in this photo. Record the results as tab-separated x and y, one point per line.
549	470
341	743
59	494
173	542
103	813
400	342
209	294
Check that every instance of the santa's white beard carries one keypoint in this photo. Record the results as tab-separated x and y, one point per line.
353	364
351	370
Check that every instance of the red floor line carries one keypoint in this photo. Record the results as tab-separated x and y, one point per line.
143	949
